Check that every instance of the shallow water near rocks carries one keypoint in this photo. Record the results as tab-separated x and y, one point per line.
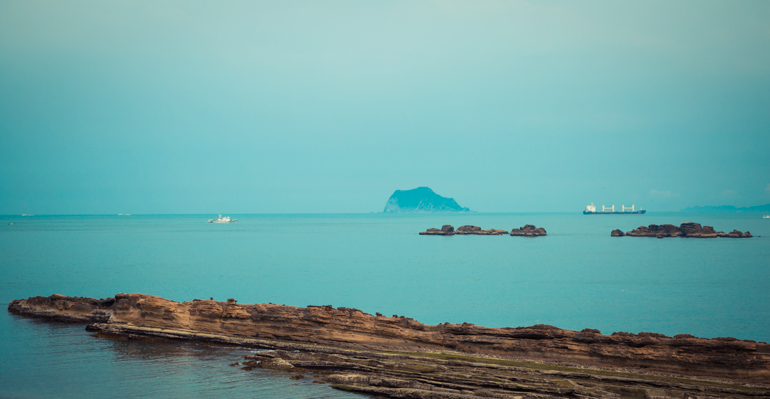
576	277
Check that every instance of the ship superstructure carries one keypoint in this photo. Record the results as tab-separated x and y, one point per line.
221	219
610	210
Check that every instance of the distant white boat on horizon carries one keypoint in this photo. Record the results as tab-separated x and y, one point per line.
221	219
766	217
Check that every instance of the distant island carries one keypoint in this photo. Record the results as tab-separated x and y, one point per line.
727	209
421	200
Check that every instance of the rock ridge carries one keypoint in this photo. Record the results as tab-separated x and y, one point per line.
739	360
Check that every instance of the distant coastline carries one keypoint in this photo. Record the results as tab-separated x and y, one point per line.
727	209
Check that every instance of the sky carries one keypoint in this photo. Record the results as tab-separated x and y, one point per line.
150	107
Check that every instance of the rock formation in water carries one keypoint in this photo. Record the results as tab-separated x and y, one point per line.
737	234
421	200
529	230
448	230
401	358
688	230
476	230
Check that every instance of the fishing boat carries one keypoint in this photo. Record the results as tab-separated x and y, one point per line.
221	219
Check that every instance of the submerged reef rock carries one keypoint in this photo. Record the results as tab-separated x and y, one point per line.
421	200
687	230
528	230
400	357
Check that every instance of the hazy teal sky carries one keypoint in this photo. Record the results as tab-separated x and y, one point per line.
330	106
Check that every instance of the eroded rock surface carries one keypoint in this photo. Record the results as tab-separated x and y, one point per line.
64	308
528	230
416	376
451	359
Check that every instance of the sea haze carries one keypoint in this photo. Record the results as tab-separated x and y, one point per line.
577	277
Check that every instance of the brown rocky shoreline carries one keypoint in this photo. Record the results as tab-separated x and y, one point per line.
399	357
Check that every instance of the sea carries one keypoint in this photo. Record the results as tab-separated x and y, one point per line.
576	277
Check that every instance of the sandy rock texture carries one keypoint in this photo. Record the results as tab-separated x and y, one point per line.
455	354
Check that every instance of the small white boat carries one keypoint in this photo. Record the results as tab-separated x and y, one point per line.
766	217
221	219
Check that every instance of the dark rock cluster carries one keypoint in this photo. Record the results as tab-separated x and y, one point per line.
688	230
476	230
528	231
447	230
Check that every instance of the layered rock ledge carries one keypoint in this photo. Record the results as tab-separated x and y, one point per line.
687	230
400	357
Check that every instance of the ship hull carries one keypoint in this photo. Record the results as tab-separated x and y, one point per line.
615	213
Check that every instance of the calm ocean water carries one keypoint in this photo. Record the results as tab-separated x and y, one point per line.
576	277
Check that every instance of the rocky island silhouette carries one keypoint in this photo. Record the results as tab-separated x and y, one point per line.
421	200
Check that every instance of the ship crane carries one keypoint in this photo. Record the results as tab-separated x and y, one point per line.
610	210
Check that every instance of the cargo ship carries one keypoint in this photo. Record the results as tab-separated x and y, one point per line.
610	210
